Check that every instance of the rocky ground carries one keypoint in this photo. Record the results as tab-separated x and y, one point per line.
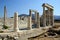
51	34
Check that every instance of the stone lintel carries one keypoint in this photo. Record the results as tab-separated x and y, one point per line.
47	5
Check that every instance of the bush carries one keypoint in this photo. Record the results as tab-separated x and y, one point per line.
1	31
5	27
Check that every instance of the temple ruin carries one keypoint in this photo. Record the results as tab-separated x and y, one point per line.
21	28
48	18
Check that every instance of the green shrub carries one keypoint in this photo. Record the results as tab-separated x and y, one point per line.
5	27
1	31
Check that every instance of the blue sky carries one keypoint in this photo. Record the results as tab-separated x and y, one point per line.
23	6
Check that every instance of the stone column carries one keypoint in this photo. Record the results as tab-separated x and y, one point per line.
29	23
38	20
5	14
35	17
44	17
49	17
30	14
52	17
16	29
30	20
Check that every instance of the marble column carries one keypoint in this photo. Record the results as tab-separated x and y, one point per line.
49	16
52	19
44	17
38	20
35	17
5	14
30	14
29	22
16	29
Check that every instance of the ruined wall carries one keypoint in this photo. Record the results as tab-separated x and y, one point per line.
22	23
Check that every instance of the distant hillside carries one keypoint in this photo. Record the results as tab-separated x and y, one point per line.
23	15
57	17
33	16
